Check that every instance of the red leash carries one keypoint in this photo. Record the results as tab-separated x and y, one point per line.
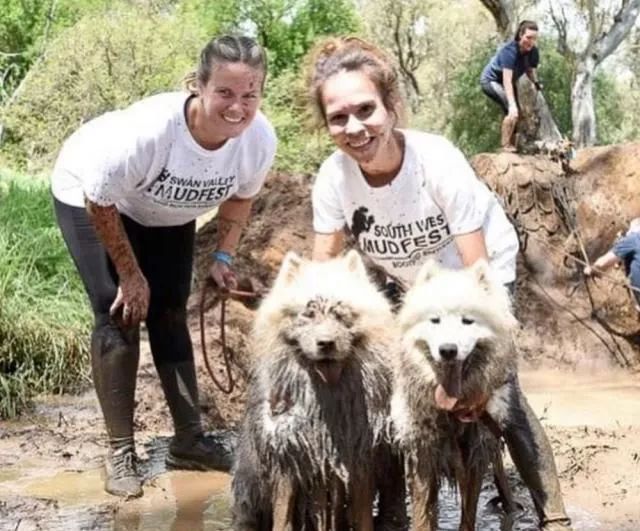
221	296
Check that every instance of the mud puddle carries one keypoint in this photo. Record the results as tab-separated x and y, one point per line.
51	475
604	400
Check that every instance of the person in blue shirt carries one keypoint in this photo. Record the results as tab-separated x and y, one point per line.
627	251
499	77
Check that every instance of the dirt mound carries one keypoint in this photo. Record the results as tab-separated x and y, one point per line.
564	220
595	201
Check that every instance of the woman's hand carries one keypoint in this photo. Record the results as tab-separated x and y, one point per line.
133	296
513	111
223	275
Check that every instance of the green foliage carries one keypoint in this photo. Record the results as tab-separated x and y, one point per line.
102	63
556	75
212	18
299	149
44	320
610	112
475	122
474	125
25	26
288	28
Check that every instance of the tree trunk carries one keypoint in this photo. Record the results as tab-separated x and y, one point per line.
536	123
583	114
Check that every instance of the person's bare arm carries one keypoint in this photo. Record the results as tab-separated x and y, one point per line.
327	246
471	247
232	216
507	83
602	263
133	290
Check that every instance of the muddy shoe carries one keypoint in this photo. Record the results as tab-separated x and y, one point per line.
122	477
202	452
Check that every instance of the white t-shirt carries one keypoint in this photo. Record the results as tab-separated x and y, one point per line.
435	196
144	160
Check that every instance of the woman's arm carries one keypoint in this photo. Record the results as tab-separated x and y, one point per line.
133	290
471	247
604	262
232	216
507	83
327	246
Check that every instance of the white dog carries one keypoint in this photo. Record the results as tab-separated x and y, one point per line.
457	351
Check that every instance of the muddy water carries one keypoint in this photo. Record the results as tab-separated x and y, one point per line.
41	493
584	399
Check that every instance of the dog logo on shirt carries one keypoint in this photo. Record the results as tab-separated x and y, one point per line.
361	222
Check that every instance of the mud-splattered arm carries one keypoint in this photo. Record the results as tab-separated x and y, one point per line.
133	290
232	216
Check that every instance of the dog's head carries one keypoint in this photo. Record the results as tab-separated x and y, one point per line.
322	310
450	316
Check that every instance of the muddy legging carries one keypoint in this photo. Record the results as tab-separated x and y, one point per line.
495	91
165	256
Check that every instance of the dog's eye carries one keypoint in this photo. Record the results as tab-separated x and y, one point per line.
435	320
309	313
467	321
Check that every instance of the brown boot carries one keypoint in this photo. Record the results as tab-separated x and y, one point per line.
508	133
190	448
114	362
122	477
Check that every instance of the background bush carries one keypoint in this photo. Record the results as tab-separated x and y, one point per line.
102	63
44	318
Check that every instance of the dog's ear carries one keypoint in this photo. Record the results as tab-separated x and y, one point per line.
429	270
482	273
354	263
289	269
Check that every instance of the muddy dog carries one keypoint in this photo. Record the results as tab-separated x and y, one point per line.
456	351
313	449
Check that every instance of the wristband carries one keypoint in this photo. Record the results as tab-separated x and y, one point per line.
222	256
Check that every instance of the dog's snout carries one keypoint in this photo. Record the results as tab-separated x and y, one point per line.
448	351
326	347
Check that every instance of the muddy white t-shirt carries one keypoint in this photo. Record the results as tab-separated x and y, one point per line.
435	196
144	160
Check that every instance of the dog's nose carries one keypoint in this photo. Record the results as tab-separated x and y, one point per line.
448	351
326	347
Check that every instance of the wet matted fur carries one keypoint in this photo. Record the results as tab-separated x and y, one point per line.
313	448
456	351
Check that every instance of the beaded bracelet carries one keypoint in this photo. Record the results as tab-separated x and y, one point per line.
222	256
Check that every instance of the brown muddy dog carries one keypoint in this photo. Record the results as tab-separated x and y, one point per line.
457	350
313	450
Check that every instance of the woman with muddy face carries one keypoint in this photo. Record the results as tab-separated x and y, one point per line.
127	189
407	196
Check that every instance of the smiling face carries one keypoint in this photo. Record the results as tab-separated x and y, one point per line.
228	102
356	117
528	40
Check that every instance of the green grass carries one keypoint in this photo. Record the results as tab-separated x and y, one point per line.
44	318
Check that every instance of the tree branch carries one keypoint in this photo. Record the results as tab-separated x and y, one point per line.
624	20
503	13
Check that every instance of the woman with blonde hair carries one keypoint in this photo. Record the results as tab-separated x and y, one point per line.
127	189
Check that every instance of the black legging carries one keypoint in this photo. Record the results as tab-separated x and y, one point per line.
496	92
165	257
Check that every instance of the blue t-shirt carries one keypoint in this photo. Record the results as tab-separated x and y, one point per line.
509	56
627	249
